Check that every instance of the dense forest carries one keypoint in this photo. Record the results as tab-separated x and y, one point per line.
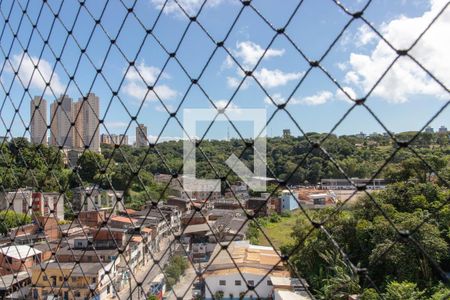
24	164
356	156
398	244
292	159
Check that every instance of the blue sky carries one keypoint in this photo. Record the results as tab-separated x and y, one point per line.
404	100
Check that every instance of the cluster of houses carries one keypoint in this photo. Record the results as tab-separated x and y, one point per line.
94	255
247	271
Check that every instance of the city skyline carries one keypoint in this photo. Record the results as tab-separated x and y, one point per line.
72	125
74	138
316	106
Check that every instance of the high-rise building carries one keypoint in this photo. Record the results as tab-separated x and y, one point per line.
141	135
87	131
38	120
61	132
114	139
75	125
286	133
78	116
123	138
429	129
443	129
105	139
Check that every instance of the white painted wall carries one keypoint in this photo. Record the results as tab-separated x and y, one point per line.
212	282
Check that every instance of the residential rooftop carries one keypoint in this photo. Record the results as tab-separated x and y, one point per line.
67	250
11	279
19	251
245	255
80	269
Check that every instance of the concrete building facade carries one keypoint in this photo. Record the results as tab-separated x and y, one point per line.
61	132
114	139
90	110
38	120
141	136
75	125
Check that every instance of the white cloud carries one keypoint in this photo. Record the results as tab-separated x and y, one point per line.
115	124
351	77
25	65
274	78
233	82
321	97
342	66
228	63
341	96
220	104
250	53
365	35
277	98
191	7
406	79
148	73
136	87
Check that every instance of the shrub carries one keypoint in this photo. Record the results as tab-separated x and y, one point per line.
274	218
174	269
11	219
218	295
286	213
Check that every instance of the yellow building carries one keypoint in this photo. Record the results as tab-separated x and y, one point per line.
71	281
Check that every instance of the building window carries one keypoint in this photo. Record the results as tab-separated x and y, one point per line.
269	283
237	282
251	283
222	282
45	278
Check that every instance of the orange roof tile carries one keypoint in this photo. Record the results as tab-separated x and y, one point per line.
136	239
130	211
147	230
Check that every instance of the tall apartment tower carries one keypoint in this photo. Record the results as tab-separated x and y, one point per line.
105	139
38	120
442	129
61	133
286	133
141	135
124	139
78	115
86	116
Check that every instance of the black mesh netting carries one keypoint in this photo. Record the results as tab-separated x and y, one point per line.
85	215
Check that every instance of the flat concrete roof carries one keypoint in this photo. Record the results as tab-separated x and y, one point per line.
7	281
19	251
